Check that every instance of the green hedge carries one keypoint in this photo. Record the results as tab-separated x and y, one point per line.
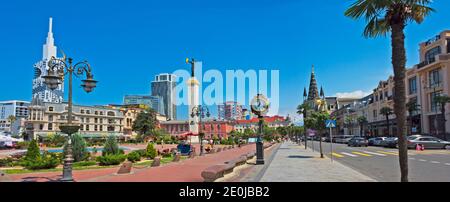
46	161
111	159
134	156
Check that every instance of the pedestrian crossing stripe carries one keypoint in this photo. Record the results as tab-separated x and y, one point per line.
388	153
362	154
376	154
337	155
349	154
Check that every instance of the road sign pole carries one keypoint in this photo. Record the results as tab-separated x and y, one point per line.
331	144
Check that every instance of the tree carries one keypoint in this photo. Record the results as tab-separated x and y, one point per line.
362	120
317	121
303	110
349	122
33	151
79	151
145	123
11	120
111	147
150	151
412	107
384	16
443	100
386	112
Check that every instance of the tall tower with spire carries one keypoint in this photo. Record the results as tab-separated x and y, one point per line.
313	92
40	90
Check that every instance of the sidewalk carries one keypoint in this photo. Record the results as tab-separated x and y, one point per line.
292	163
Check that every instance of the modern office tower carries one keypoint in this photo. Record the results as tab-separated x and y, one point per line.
40	90
16	108
164	86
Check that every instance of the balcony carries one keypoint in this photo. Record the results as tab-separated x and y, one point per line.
441	57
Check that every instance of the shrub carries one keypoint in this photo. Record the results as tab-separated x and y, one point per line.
79	151
150	151
134	156
33	151
46	161
84	164
165	153
108	160
141	152
111	147
7	162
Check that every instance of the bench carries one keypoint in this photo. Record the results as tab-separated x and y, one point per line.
215	172
156	162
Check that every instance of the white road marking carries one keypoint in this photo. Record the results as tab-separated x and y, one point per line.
377	154
422	160
447	164
345	153
435	162
412	158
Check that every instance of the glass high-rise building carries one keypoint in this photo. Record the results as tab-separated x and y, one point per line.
154	102
164	86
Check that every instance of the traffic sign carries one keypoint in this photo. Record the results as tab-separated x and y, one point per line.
330	123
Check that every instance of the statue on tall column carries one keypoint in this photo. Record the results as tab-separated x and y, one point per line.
192	62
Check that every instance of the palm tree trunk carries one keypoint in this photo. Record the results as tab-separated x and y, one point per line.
388	126
443	122
399	62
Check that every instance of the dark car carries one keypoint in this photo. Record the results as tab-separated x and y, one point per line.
358	142
390	142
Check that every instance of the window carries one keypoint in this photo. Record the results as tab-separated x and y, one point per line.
101	128
434	104
82	111
96	112
81	127
50	126
41	126
87	127
50	109
87	120
95	120
448	45
95	128
50	118
375	114
412	85
430	56
111	114
88	112
435	78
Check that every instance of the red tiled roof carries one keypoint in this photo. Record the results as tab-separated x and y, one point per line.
266	119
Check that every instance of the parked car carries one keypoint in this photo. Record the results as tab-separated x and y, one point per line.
390	142
376	141
358	142
343	139
427	141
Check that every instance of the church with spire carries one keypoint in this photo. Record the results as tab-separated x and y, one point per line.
316	99
41	93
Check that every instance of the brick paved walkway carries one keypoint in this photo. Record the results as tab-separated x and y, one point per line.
185	171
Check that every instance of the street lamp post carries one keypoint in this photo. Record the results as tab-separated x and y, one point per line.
200	112
58	68
260	106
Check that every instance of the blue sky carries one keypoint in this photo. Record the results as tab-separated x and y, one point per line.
128	42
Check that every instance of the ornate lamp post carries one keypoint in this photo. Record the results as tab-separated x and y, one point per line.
200	111
58	68
260	106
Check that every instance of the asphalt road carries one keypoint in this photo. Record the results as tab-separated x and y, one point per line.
382	164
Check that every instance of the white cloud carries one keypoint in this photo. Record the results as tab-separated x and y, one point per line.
355	94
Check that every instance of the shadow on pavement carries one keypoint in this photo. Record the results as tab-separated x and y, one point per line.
300	157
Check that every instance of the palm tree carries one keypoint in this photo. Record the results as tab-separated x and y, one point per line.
412	107
442	100
11	120
386	112
362	120
349	122
384	16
